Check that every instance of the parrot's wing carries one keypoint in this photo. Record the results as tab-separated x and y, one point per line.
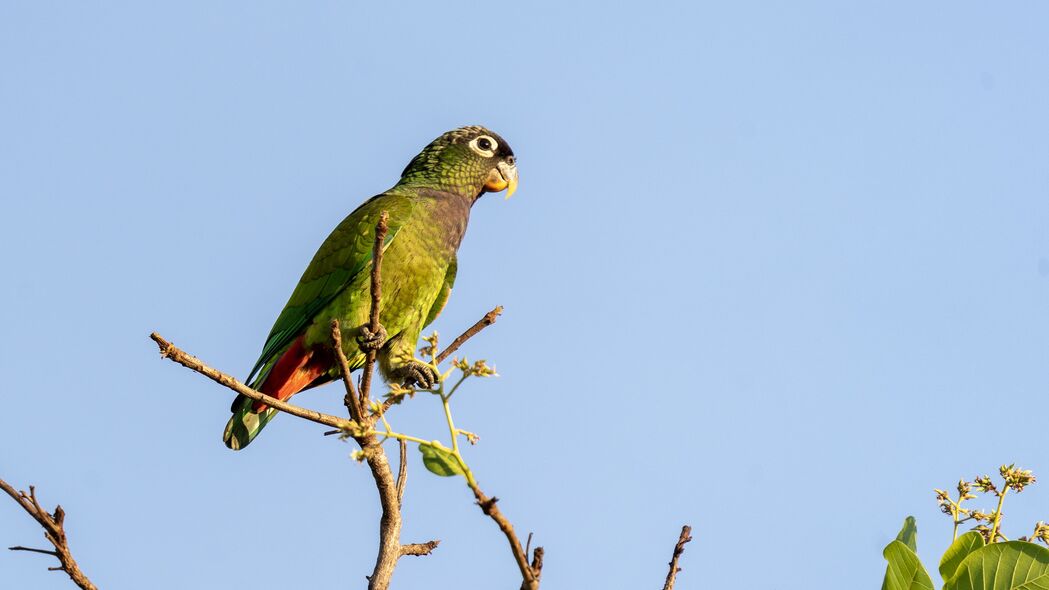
446	291
344	254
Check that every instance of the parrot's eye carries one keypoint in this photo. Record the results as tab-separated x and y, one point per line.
484	146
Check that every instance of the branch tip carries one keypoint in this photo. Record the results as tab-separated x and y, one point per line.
679	548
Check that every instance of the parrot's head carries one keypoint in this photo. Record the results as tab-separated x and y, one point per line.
471	160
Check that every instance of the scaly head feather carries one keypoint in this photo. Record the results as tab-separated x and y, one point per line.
469	161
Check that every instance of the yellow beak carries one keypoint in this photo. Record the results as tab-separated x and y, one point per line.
502	177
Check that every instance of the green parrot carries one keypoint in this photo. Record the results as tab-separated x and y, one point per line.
428	210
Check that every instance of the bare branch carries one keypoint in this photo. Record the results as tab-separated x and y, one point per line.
54	532
390	522
353	404
170	351
488	319
529	575
390	492
679	548
369	361
420	548
44	551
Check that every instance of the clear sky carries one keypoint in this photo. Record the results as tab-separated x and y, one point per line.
772	270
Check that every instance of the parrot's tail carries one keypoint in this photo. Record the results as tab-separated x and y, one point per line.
245	424
295	370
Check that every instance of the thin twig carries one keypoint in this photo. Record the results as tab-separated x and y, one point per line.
353	404
402	472
376	288
679	548
170	351
44	551
488	319
529	575
54	532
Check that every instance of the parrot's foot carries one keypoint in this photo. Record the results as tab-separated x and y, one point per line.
416	373
368	340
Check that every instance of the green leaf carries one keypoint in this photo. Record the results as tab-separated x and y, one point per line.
909	534
905	571
440	460
959	550
1015	565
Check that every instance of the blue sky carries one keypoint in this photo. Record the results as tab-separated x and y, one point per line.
775	271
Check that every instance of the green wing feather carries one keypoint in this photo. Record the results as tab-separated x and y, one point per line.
343	255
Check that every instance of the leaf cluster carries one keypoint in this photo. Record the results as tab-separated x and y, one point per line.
982	558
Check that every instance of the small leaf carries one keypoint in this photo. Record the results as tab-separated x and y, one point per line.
905	570
1014	565
439	460
909	534
959	550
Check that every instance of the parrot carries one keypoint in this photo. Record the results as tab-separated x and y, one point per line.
428	210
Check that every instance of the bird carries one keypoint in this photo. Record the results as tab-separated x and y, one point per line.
428	210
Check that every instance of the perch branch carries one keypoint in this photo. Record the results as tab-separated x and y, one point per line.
351	400
54	532
679	548
170	351
376	288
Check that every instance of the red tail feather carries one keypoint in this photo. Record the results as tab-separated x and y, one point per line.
293	372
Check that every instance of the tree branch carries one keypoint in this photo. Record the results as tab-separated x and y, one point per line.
390	521
488	319
390	491
54	532
529	573
686	536
376	289
170	351
351	400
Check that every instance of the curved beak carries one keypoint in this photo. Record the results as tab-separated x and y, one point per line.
502	177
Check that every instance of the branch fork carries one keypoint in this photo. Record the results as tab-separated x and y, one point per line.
54	531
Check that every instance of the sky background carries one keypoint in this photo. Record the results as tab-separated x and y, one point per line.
774	271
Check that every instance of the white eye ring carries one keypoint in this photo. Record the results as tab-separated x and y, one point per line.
486	152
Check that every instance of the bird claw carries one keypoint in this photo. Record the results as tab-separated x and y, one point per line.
418	373
368	340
